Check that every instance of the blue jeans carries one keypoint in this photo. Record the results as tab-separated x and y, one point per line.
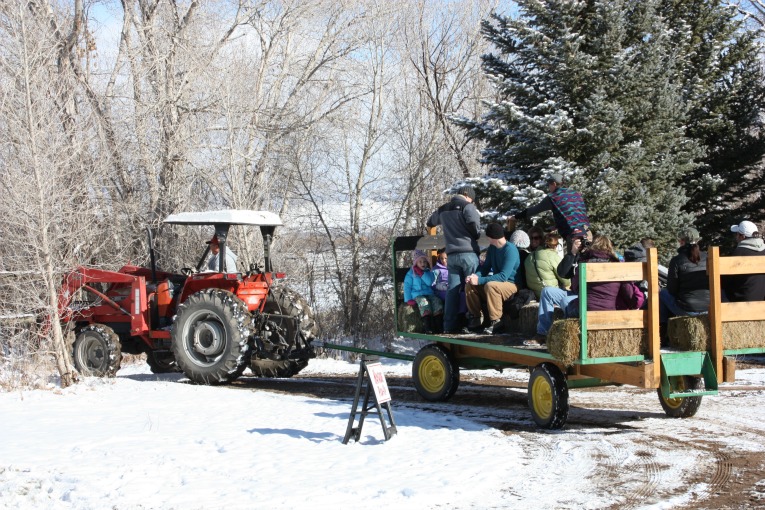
460	266
550	297
668	307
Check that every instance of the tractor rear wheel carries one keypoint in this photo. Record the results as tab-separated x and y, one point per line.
210	336
298	316
97	351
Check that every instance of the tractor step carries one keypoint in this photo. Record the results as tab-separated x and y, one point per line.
694	364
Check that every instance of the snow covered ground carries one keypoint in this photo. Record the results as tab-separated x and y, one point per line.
144	441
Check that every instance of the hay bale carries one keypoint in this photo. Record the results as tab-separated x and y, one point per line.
563	342
526	323
693	334
409	319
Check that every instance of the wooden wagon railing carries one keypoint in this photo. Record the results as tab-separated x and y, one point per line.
720	312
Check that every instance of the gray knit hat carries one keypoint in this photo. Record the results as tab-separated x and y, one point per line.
468	191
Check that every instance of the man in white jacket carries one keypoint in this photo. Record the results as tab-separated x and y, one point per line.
212	264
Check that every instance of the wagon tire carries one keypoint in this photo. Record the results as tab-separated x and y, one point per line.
97	351
210	337
682	407
436	375
548	396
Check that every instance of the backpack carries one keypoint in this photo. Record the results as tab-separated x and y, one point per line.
513	306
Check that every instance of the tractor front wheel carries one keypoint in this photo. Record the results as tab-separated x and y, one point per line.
210	336
97	351
548	396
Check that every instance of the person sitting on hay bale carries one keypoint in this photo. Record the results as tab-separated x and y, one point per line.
687	292
746	287
542	267
418	291
600	295
493	282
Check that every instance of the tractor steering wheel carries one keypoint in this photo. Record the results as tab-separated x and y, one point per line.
188	271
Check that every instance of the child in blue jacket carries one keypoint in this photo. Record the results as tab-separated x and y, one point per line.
418	291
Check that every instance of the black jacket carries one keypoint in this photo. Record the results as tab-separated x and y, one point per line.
461	225
688	282
746	287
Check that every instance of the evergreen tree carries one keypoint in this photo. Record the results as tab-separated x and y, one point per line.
605	93
725	89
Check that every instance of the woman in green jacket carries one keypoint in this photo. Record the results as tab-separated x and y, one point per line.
541	266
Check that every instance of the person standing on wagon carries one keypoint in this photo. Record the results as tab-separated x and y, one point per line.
460	222
567	206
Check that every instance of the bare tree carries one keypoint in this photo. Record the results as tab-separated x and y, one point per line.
443	47
45	132
753	12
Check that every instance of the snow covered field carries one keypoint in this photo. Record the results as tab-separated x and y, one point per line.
144	441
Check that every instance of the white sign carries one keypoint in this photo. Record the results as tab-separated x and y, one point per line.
379	385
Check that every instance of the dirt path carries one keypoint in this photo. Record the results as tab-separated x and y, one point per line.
617	439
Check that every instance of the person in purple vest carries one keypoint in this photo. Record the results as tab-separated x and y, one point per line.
567	206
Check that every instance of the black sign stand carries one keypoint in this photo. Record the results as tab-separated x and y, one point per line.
355	432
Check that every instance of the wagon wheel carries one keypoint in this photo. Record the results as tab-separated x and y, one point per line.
548	396
436	375
97	351
683	407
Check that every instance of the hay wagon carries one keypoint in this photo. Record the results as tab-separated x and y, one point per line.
599	348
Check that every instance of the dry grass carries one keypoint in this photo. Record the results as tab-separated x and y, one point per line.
564	344
693	334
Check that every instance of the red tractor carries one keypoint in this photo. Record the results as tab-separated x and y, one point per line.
211	325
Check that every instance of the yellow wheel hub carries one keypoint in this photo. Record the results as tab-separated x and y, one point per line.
679	385
542	397
432	374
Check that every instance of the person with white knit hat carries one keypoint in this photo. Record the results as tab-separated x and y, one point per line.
746	287
521	241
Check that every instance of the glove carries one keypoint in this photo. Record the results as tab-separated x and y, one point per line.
411	302
520	215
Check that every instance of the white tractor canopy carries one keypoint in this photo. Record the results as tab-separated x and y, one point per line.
226	217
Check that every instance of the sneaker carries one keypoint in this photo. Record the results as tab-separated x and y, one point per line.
536	341
494	327
474	324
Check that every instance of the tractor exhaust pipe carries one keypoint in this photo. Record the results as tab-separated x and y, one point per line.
152	257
